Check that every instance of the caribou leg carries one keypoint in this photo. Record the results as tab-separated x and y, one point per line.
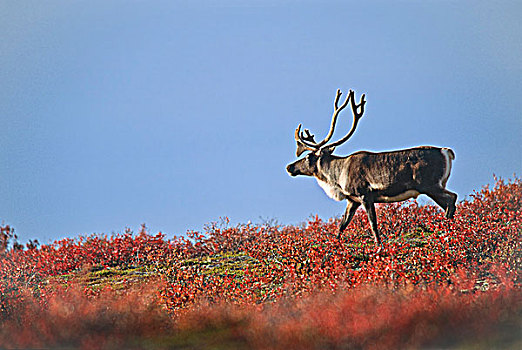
351	208
445	199
369	206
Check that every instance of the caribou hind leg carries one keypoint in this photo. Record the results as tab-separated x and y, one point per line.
451	203
445	199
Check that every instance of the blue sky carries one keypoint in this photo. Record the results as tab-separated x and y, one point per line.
117	113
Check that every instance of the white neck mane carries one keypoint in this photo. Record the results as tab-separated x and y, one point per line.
333	192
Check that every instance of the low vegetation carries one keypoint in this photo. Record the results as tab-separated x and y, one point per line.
437	283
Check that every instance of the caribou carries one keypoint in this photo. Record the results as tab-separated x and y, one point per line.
365	178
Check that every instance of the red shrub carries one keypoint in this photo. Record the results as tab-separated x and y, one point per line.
290	286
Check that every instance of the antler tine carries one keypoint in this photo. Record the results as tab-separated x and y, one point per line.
302	141
337	95
306	138
356	116
335	114
355	107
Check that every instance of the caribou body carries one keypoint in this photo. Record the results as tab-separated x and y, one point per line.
365	178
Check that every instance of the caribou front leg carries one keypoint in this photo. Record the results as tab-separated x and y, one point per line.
351	208
369	206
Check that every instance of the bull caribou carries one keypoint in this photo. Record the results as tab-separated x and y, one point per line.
366	177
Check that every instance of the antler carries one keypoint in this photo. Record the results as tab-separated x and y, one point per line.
337	109
356	116
306	142
302	141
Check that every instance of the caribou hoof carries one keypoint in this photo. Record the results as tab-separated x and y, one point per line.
450	212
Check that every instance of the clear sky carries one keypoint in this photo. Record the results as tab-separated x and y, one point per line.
172	114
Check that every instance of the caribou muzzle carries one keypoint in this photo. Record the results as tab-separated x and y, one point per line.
291	169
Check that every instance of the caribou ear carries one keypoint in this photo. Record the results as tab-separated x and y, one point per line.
301	148
328	150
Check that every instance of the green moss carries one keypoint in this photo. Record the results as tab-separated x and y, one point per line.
229	264
109	277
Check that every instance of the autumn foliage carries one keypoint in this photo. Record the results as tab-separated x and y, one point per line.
436	283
